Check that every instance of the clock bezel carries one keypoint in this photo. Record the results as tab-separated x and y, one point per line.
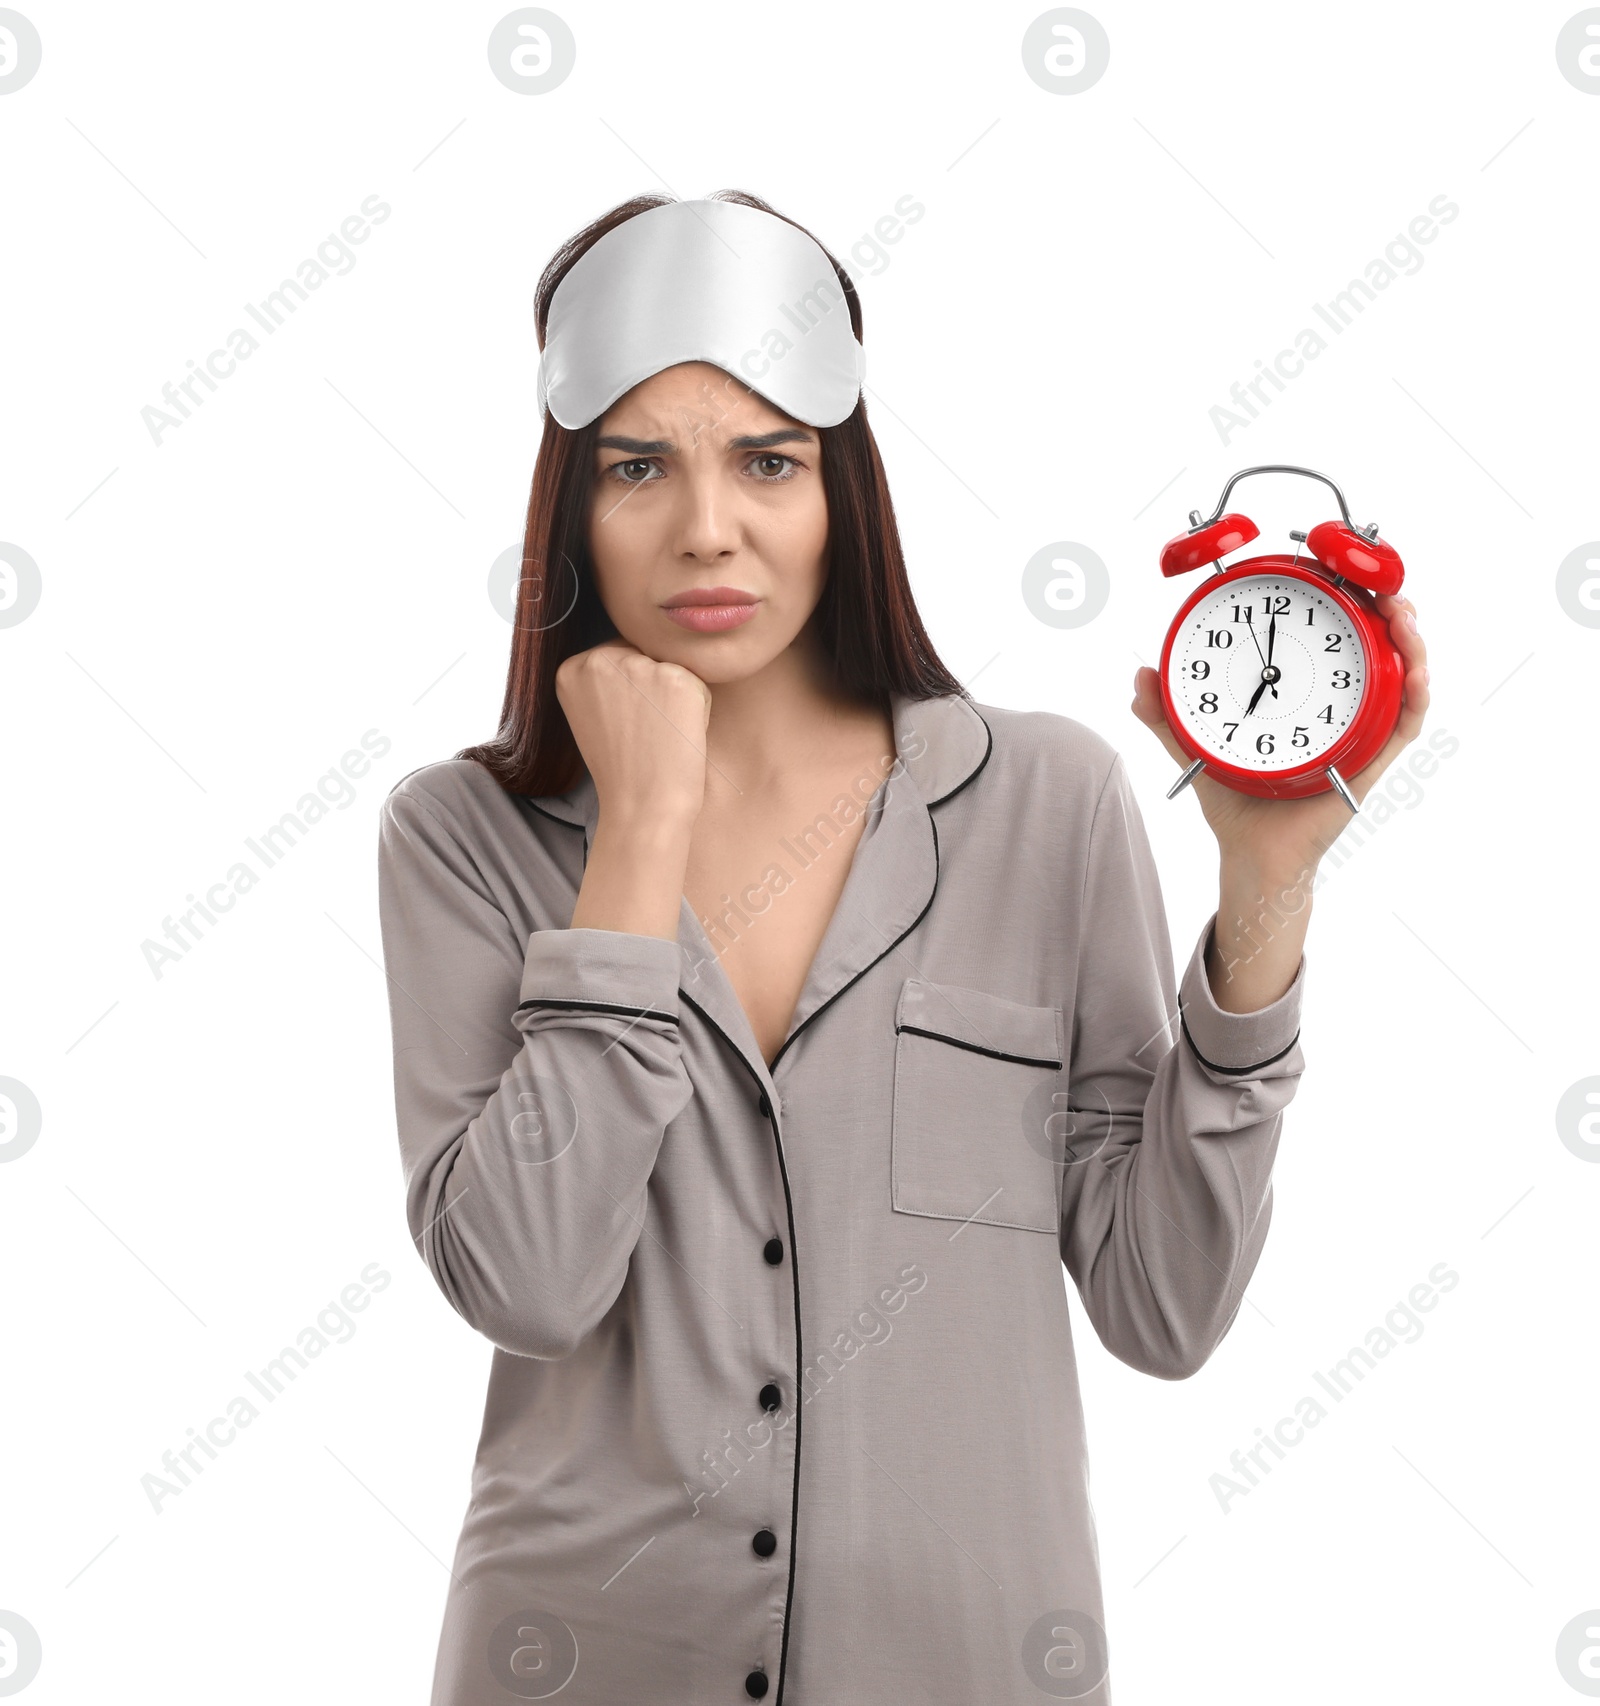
1376	712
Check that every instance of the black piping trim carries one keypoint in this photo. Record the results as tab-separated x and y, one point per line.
788	1198
796	1032
528	803
799	1342
988	752
783	1170
598	1007
977	768
534	806
794	1512
1233	1071
977	1048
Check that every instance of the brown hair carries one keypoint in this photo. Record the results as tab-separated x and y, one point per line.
866	617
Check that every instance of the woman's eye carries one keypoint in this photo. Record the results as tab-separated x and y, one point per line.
772	475
769	467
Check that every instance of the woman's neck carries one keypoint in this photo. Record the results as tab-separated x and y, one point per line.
787	718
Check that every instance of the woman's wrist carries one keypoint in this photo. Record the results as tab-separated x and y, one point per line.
1262	914
647	829
634	875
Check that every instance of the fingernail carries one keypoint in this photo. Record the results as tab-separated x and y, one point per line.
1411	622
1425	677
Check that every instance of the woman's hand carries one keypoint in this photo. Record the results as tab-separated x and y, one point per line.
640	725
1271	848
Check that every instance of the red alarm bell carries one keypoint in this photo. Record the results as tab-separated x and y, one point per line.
1278	676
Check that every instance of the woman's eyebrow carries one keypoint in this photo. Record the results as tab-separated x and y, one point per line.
666	446
766	440
636	446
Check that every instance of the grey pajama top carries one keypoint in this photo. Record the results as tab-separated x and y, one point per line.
784	1401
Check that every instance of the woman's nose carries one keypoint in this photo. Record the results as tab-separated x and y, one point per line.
707	522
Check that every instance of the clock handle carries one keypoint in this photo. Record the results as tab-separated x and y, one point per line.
1369	533
1342	789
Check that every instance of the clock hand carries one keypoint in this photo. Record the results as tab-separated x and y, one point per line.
1272	635
1252	627
1256	696
1266	660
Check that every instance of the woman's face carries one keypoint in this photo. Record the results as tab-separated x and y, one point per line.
700	486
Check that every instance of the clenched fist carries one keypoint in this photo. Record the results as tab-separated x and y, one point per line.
640	725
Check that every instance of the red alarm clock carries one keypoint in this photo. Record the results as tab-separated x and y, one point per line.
1278	675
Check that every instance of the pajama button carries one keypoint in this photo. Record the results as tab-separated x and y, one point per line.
771	1397
765	1542
774	1254
755	1684
765	1106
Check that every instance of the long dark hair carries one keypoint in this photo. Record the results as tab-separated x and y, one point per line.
866	618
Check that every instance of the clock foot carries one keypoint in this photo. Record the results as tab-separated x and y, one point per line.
1186	778
1341	789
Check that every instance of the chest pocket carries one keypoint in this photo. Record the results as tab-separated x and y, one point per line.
970	1072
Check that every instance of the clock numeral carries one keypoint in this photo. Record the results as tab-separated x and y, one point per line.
1276	605
1333	642
1301	737
1200	669
1264	743
1219	637
1326	714
1230	727
1208	703
1246	617
1311	615
1336	678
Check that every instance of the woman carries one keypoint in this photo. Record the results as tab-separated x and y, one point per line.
772	1022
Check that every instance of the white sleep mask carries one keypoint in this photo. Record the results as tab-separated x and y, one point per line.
708	281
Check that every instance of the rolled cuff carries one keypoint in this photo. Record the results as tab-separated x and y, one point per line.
602	971
1238	1044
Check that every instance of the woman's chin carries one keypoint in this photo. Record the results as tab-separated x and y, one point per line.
715	658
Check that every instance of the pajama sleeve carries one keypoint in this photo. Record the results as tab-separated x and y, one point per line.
534	1081
1175	1106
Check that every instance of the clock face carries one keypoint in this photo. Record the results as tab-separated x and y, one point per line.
1267	672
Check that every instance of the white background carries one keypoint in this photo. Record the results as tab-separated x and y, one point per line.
225	614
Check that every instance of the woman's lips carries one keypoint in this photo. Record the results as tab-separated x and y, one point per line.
711	618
